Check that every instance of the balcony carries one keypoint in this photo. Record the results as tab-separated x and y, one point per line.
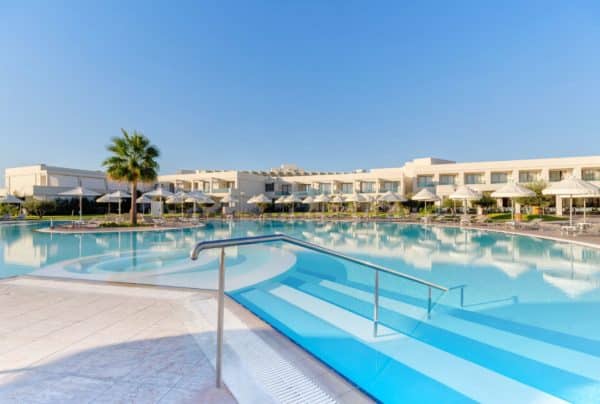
221	190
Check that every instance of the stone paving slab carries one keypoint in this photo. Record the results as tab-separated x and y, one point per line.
64	341
70	342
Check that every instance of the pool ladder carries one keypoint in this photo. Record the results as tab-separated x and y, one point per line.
280	237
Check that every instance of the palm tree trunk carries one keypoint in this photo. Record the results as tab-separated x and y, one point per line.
133	210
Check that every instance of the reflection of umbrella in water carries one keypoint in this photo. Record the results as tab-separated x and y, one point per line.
513	269
571	287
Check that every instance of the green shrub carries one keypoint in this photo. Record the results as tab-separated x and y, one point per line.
38	207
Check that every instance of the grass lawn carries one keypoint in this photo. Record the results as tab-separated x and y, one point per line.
504	217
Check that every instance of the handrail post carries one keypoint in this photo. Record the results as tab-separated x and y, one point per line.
429	304
462	296
376	303
220	318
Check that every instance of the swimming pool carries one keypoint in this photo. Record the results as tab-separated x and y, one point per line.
528	329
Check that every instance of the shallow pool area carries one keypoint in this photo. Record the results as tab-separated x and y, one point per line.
520	324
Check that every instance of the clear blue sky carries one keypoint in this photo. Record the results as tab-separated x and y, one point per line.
324	84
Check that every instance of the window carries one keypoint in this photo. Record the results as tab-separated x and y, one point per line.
367	187
324	188
347	188
590	174
424	181
390	186
303	187
499	178
286	189
557	175
270	187
475	178
447	179
528	176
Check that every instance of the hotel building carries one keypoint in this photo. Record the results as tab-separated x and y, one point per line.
47	182
440	176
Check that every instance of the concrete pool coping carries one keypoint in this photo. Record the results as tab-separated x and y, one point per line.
103	230
66	329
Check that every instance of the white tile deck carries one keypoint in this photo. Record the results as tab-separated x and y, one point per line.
76	342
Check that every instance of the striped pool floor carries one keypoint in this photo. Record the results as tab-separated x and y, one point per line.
457	356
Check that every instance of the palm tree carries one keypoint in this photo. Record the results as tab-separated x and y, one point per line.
133	160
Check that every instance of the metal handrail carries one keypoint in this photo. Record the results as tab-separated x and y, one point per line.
232	242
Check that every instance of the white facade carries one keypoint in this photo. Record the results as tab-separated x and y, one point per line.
44	181
440	176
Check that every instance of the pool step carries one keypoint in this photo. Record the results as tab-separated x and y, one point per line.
567	359
438	364
504	359
359	362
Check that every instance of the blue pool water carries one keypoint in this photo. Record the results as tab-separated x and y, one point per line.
528	328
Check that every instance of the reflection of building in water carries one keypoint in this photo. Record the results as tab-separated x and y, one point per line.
25	251
571	268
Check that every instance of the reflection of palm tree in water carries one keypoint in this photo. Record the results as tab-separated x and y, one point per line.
133	247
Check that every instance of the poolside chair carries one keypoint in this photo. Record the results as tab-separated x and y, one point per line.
465	220
92	224
157	221
533	224
5	217
568	230
481	220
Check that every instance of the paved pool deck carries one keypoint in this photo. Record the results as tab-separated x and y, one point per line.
64	341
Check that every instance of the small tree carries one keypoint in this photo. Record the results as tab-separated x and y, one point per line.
449	204
541	200
486	201
133	160
38	207
6	209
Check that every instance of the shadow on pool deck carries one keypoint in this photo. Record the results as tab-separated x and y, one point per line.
162	370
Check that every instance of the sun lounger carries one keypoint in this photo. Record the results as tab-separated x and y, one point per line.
568	230
156	221
532	224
